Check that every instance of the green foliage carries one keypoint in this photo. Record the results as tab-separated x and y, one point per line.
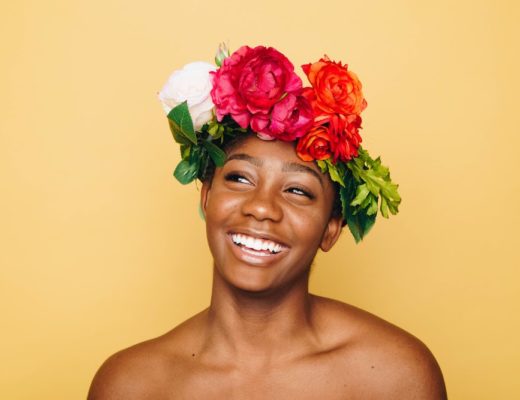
181	124
198	149
359	223
336	171
323	165
367	187
216	130
374	182
216	153
186	172
188	169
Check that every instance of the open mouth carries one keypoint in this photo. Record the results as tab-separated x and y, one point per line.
256	245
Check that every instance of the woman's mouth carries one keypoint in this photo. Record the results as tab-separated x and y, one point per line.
257	246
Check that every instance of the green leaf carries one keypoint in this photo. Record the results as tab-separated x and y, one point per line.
186	172
201	213
355	228
372	186
360	225
384	208
185	151
334	172
393	206
204	161
177	134
181	123
335	176
345	201
213	129
361	194
377	179
367	183
353	221
216	153
367	222
322	164
372	208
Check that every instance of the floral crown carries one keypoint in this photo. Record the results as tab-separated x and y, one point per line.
256	90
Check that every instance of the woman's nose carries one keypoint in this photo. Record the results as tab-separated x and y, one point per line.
263	204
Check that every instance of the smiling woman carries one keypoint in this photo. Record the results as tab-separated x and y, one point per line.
263	196
287	177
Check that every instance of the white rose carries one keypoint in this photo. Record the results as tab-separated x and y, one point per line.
192	83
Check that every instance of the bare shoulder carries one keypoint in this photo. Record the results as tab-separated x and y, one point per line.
386	361
148	370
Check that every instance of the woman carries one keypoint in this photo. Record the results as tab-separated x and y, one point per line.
268	210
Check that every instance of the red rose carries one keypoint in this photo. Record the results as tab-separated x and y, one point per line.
344	132
336	90
258	88
315	145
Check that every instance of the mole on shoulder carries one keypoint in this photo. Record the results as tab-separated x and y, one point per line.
193	355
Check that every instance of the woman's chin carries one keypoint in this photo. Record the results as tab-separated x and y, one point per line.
250	281
258	282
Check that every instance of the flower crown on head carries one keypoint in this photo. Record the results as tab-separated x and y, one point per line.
256	90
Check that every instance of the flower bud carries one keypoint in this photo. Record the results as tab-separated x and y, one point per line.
221	54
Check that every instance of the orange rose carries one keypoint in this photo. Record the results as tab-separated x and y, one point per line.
315	145
337	90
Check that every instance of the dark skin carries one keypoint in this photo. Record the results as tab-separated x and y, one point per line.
264	336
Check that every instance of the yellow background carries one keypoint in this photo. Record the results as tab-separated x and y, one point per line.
101	248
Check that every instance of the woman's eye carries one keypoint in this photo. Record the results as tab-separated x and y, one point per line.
236	178
300	192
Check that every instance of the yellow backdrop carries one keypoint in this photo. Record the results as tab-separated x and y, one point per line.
101	248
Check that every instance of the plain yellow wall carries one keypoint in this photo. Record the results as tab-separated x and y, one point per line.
101	248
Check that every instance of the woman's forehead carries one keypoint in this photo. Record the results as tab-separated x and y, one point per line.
265	151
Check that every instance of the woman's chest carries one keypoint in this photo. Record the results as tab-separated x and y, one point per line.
302	381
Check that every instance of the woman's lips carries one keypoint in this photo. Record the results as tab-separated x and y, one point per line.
256	244
245	248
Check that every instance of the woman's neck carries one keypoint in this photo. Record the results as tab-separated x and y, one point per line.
261	325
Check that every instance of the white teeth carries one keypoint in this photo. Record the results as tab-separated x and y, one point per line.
256	244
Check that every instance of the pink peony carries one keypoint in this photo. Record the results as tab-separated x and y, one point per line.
257	87
291	118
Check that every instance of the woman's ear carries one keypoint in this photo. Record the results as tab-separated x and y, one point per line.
204	195
332	232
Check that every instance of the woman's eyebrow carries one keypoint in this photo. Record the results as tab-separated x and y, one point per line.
295	167
246	157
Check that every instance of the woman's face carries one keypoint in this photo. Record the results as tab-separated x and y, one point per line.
267	213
